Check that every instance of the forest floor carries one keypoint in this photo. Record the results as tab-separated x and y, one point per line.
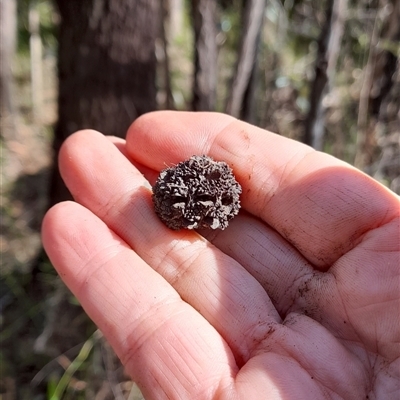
26	160
44	332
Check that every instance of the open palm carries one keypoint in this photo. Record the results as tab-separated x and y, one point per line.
298	298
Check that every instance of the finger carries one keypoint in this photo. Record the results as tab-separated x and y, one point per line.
232	300
320	204
120	144
166	346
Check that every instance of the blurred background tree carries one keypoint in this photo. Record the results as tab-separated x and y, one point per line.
323	72
8	34
106	68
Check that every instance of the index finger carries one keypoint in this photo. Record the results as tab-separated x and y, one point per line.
320	204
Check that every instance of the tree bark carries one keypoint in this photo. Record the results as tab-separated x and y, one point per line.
248	110
252	23
385	104
364	126
168	99
384	74
325	65
205	55
107	67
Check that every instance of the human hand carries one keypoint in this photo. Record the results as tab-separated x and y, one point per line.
297	299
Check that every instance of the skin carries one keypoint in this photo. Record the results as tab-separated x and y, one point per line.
298	298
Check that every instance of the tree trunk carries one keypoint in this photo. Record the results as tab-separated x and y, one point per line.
176	10
107	67
366	126
385	105
248	110
384	74
35	48
167	101
325	66
205	58
8	31
251	27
